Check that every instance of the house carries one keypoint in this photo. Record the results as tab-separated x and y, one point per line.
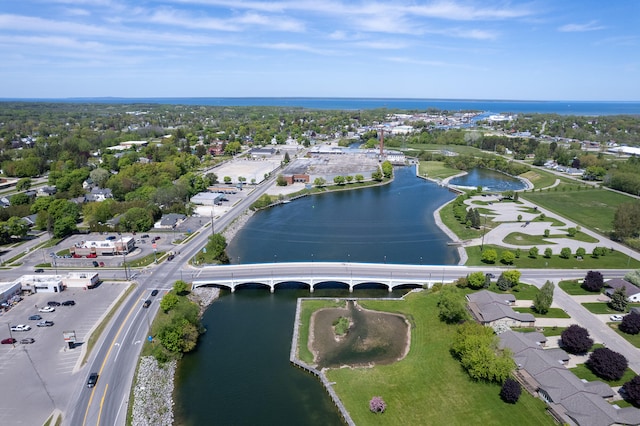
493	309
262	152
169	221
4	202
46	191
99	194
631	291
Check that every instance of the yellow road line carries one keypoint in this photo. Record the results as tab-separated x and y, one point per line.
86	413
102	403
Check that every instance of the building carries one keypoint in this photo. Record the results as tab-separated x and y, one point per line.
99	194
291	179
9	292
631	291
207	198
121	245
81	279
169	221
493	309
41	283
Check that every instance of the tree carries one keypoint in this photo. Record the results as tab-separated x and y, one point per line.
339	180
64	226
510	391
319	182
287	159
136	219
19	199
576	340
632	391
377	175
544	298
572	232
565	253
593	281
489	256
451	305
607	364
168	301
227	179
618	300
180	287
512	276
533	252
599	251
23	184
548	252
630	323
359	178
546	233
281	181
508	257
387	169
16	227
377	405
475	280
99	176
633	277
581	252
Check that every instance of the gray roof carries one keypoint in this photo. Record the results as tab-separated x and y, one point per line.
617	283
560	383
171	219
488	306
519	342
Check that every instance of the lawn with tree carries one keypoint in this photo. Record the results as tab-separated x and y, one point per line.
607	364
576	340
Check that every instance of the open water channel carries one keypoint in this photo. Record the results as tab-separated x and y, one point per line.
240	373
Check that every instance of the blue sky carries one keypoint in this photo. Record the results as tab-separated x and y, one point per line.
524	50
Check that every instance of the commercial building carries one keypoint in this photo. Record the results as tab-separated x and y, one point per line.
120	245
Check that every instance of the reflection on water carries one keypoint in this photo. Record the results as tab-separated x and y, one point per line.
489	180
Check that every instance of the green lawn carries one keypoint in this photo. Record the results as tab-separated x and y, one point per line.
634	339
428	387
591	208
552	313
436	170
583	372
574	288
522	239
462	231
520	292
599	308
612	260
539	178
547	331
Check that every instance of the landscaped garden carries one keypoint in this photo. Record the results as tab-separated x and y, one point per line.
428	386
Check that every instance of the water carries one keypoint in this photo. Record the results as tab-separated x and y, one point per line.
496	106
240	373
491	180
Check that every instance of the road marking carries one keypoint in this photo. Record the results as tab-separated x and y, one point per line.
104	362
102	403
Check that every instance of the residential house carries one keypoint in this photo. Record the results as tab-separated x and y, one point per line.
493	309
46	191
631	291
99	194
169	221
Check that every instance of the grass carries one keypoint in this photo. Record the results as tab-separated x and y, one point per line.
436	170
548	331
95	334
539	178
583	372
574	288
634	339
461	230
308	307
591	208
552	313
521	239
520	292
599	308
145	261
613	260
428	386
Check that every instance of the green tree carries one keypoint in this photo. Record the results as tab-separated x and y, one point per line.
377	175
23	184
387	169
339	180
581	252
544	298
476	280
546	233
287	159
359	178
64	226
513	276
19	199
619	300
16	227
508	257
99	176
227	179
489	256
548	252
281	181
533	252
452	305
565	253
319	182
168	301
572	232
180	287
136	219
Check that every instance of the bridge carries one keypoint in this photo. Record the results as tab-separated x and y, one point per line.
351	275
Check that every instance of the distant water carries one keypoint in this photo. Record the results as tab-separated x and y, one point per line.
497	106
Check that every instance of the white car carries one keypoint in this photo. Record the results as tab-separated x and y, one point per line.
615	317
20	327
47	309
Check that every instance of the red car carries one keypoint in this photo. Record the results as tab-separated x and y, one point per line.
92	256
8	341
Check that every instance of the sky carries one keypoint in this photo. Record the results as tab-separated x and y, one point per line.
452	49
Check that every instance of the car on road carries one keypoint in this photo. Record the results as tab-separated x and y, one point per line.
69	303
170	258
39	271
146	303
110	238
45	324
92	256
27	340
35	318
101	264
615	317
47	309
92	380
53	303
8	341
20	327
154	293
145	236
95	264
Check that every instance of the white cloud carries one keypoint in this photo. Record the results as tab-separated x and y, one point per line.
589	26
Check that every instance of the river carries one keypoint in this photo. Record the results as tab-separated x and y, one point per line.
240	373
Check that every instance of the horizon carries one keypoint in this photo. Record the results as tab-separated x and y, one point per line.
571	51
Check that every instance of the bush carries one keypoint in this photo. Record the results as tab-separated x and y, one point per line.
576	340
510	391
630	323
607	364
632	391
593	281
377	405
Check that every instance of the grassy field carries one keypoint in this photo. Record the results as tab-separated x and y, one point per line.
634	339
463	232
574	288
539	178
547	331
428	387
615	260
436	170
583	372
599	308
552	313
591	208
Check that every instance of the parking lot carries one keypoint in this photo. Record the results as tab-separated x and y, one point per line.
39	374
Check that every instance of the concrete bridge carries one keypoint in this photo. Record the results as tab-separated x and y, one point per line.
351	275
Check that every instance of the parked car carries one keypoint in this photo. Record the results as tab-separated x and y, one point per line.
110	238
76	256
146	303
27	340
20	327
92	256
154	293
92	380
145	236
95	264
53	303
45	323
69	303
615	317
39	270
35	317
101	264
47	309
8	341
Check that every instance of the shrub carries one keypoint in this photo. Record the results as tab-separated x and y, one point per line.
489	256
377	405
607	364
533	252
618	300
630	323
548	252
565	253
510	391
593	281
451	305
576	340
632	391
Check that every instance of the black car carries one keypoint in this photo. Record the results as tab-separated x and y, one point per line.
95	264
154	293
68	303
146	303
93	379
35	318
39	270
170	258
145	236
53	303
